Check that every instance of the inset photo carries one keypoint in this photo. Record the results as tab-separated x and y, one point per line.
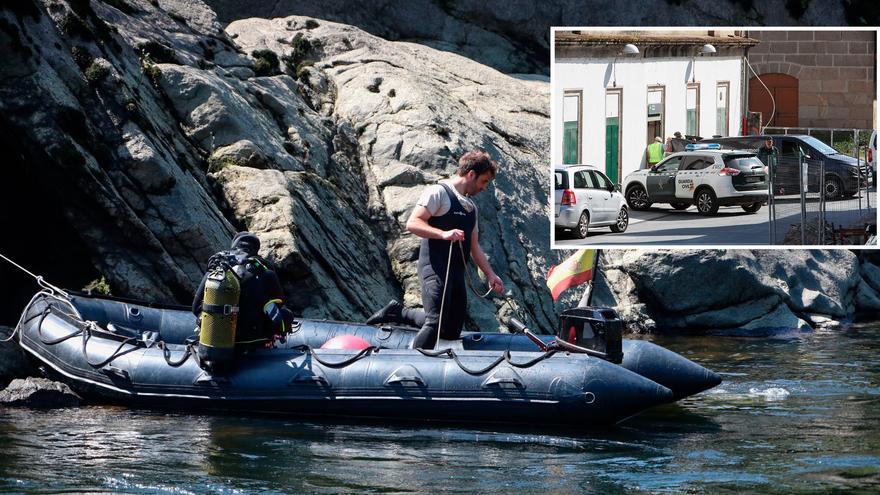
731	137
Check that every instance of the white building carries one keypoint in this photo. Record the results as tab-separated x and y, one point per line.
609	103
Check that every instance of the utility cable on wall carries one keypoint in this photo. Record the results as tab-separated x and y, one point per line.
773	100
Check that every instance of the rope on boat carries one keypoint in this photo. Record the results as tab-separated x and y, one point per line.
47	290
503	358
311	351
166	353
86	332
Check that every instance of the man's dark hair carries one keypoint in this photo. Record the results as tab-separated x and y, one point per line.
478	161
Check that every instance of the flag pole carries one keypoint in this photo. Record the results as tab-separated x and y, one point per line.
587	298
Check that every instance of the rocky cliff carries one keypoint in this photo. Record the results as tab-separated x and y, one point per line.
151	135
514	36
138	136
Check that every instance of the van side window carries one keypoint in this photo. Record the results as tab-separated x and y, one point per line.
580	180
789	148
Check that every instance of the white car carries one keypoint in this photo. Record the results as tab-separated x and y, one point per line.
584	197
705	176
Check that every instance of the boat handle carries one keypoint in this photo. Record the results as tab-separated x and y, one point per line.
415	379
504	380
119	372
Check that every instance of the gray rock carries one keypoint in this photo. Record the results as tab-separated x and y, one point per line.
305	227
516	38
871	275
219	112
410	139
779	320
695	290
13	361
242	153
38	393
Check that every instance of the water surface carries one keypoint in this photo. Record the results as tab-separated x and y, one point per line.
795	414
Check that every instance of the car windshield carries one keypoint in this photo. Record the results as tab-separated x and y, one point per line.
819	145
560	179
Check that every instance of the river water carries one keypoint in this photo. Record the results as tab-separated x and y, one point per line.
795	414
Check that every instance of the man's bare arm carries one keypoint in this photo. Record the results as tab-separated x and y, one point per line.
418	225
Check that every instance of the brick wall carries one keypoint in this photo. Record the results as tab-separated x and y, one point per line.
836	70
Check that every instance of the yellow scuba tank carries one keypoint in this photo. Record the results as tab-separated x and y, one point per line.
219	318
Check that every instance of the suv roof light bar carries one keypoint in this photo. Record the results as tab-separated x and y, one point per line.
704	146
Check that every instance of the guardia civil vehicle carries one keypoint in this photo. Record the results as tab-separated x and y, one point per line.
702	175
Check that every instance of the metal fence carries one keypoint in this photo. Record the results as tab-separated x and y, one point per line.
802	211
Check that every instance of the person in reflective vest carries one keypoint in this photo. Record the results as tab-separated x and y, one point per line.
654	153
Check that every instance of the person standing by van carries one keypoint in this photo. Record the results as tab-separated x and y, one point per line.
654	152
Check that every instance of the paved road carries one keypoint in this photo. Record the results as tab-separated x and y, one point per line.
661	225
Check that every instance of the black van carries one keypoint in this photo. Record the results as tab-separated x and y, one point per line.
841	171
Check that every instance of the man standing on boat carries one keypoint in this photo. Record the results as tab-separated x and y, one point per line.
446	219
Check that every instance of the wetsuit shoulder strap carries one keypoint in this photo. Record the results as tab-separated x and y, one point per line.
453	197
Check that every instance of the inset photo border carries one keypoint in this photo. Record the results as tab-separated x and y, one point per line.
713	137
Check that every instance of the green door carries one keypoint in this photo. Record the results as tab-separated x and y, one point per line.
612	137
570	143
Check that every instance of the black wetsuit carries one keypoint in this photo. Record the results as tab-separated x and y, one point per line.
433	255
259	285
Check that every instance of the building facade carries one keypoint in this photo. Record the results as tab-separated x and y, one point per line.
817	78
610	103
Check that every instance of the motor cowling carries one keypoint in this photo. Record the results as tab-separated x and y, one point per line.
599	329
219	317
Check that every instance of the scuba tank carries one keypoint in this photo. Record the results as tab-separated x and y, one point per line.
219	317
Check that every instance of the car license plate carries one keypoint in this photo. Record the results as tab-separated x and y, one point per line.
753	178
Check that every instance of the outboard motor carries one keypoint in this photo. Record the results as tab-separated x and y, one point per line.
599	329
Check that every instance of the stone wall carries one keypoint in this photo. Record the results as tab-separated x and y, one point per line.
836	70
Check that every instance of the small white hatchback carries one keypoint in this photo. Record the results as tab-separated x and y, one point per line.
584	197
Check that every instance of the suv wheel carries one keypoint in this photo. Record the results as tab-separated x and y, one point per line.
707	202
752	208
637	198
680	206
622	221
833	188
583	226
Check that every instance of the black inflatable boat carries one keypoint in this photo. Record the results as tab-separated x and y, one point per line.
140	354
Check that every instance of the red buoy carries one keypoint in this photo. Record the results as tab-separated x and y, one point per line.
349	342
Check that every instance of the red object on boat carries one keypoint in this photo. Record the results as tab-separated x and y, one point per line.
349	342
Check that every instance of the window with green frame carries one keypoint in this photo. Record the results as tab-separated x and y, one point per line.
571	127
721	106
692	108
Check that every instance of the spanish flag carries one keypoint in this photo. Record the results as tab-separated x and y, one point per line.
573	271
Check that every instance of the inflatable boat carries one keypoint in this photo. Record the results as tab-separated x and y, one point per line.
141	354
